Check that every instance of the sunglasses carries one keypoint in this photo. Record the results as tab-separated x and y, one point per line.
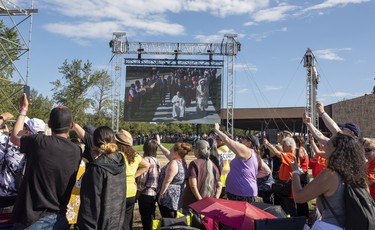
367	150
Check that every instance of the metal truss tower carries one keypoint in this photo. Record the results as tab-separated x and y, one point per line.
20	21
228	48
232	48
312	81
118	45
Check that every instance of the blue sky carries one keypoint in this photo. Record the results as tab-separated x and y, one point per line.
274	36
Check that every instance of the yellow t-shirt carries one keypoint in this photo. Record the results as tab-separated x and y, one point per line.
131	169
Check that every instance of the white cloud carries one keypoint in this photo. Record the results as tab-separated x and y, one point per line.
250	23
140	16
218	37
223	8
271	88
333	3
330	54
277	13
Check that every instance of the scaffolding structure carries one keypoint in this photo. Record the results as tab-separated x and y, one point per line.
312	81
19	20
229	47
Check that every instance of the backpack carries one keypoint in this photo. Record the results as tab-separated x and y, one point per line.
359	208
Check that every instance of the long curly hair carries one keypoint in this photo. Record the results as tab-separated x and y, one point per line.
348	159
129	152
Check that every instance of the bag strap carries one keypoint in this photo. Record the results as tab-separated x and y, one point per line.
325	202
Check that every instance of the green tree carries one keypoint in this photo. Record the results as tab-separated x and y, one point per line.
41	106
10	49
101	102
72	89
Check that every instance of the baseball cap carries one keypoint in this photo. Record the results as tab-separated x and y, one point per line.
254	140
354	128
60	119
90	129
36	125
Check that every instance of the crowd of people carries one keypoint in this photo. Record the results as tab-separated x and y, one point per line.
53	182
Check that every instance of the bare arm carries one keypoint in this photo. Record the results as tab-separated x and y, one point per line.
316	149
264	170
142	168
273	150
6	116
314	131
241	151
170	173
328	121
219	187
163	149
79	130
194	188
15	138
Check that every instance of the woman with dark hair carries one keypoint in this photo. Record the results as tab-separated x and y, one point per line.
172	179
103	197
203	176
345	165
148	183
135	166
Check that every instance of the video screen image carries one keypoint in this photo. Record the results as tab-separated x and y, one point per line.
173	94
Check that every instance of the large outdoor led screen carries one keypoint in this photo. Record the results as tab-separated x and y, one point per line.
173	94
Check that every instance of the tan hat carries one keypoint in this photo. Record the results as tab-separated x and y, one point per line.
124	137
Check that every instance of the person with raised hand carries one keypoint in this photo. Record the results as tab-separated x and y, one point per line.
51	168
241	183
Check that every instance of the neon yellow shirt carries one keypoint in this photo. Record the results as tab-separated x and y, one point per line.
225	157
131	169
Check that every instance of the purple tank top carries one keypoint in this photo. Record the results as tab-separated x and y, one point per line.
241	180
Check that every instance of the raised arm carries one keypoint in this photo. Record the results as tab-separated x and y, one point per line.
328	121
314	131
79	130
4	117
316	149
273	150
241	151
18	126
163	149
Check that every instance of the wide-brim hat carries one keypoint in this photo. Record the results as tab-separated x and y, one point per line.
124	137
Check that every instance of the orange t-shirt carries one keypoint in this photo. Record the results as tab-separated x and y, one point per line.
285	171
317	164
371	177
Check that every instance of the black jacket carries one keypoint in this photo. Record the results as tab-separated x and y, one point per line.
103	194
